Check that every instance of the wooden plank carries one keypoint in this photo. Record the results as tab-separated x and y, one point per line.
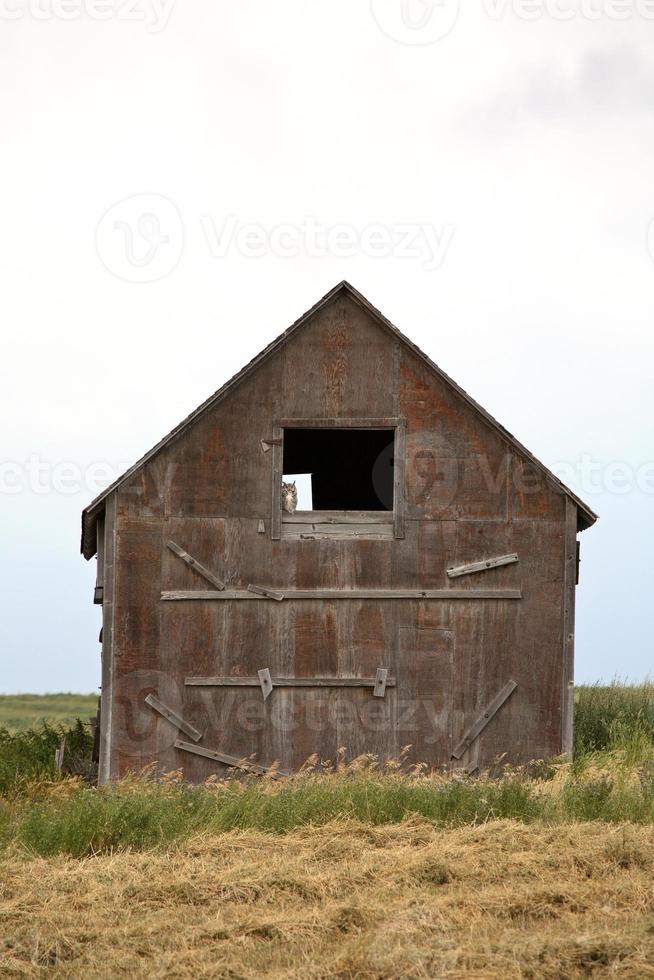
172	716
266	682
482	566
196	565
381	680
339	423
277	474
478	726
266	593
287	681
259	593
338	517
399	467
569	582
229	760
323	532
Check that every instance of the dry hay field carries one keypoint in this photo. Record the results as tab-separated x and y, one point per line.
343	900
356	872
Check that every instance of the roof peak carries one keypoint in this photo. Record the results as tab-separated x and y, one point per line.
95	508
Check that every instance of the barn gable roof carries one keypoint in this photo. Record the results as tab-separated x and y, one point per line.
90	514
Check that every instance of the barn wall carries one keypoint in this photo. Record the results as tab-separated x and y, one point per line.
468	496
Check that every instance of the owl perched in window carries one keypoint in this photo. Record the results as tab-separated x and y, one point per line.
289	497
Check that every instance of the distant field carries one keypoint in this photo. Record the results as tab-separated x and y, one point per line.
21	711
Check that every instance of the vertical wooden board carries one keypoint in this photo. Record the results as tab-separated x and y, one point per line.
569	584
138	588
340	364
218	468
484	649
282	716
105	764
316	640
473	488
367	725
456	464
249	557
431	406
533	496
419	562
539	629
147	493
424	694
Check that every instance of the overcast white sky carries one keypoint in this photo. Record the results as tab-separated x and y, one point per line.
491	169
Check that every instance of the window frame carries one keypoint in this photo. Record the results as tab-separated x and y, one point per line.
398	424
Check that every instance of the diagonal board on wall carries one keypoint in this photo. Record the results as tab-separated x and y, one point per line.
196	565
230	760
478	726
481	566
166	712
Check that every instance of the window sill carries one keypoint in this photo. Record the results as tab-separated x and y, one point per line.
373	525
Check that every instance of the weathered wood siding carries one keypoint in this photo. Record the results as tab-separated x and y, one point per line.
468	496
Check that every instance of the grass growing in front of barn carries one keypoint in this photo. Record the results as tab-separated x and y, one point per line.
137	814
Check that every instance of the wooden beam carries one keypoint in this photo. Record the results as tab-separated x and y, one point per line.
482	566
196	565
339	423
335	532
259	593
338	517
229	760
568	651
173	717
399	458
277	468
288	682
478	726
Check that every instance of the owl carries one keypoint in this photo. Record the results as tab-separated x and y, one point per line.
289	497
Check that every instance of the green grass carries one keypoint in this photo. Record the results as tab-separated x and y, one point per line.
19	712
30	755
138	815
608	715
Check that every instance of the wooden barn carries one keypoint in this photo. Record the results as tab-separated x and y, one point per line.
416	587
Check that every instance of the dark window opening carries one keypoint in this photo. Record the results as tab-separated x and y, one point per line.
351	469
